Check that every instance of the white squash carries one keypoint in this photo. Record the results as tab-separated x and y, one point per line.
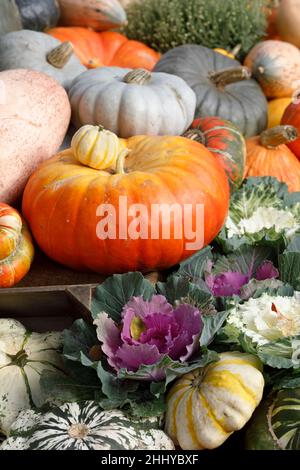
84	426
23	357
132	102
206	406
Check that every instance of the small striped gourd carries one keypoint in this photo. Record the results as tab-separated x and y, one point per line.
206	406
85	426
96	147
276	423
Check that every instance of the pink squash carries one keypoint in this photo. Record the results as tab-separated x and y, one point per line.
34	118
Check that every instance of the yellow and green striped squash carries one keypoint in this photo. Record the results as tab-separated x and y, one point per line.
206	406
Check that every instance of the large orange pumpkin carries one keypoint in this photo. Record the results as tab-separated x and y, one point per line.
267	155
63	205
291	117
16	248
108	48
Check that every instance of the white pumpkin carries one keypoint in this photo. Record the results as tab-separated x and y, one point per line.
132	102
206	406
84	426
23	357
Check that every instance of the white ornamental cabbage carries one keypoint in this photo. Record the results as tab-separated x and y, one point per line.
267	318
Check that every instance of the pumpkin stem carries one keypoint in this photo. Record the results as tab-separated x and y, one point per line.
137	77
236	49
120	161
60	55
195	134
78	431
225	77
100	128
278	135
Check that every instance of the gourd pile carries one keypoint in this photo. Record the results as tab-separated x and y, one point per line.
175	103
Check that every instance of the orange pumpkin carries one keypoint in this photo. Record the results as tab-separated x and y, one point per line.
16	248
291	117
63	203
108	48
267	155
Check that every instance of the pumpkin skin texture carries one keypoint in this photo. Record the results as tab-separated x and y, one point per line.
38	16
132	102
207	405
276	66
224	140
158	170
275	424
16	247
273	157
85	426
99	15
276	109
29	50
242	102
24	355
287	21
106	49
34	119
291	117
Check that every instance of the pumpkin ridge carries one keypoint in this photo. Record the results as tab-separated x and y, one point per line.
211	413
213	377
190	415
27	386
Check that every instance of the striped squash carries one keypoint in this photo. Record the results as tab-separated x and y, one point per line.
207	405
23	357
16	247
225	141
276	423
84	426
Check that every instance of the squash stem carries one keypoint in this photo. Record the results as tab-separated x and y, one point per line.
278	135
121	162
137	77
196	135
225	77
60	55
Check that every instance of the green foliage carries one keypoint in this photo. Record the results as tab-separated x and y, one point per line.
164	24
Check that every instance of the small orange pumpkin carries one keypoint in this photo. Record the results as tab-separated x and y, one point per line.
16	248
108	48
267	155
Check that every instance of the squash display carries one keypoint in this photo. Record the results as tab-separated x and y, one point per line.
96	14
287	21
276	66
85	426
132	102
67	204
276	109
291	117
108	48
39	51
225	141
35	114
206	406
223	88
24	355
16	247
268	155
28	14
276	423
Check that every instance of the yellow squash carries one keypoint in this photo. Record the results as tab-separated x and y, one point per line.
206	406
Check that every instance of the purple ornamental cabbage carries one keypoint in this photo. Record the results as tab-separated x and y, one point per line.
230	283
149	330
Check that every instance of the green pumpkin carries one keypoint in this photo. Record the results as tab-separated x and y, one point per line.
276	423
222	86
84	426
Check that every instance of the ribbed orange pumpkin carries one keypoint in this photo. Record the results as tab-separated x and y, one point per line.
63	205
291	117
267	155
108	48
16	248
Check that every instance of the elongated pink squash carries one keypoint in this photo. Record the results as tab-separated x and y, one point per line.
34	118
